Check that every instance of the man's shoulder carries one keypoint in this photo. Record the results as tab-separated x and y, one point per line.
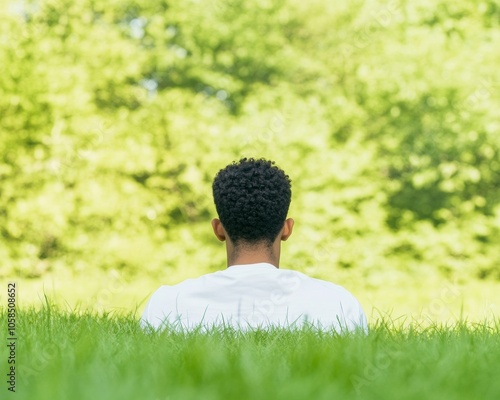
323	288
329	285
188	283
312	280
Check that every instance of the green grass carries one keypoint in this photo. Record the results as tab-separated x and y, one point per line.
69	355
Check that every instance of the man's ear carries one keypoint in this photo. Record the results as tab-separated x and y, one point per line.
287	229
219	231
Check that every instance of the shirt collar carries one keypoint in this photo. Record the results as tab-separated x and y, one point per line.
262	265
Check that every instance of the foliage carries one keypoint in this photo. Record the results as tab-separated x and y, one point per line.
116	115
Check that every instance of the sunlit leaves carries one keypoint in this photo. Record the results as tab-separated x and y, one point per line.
116	115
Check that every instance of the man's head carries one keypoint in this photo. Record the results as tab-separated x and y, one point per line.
252	198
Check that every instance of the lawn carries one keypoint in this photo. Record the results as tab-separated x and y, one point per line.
84	355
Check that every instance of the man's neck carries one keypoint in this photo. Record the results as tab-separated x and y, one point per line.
244	256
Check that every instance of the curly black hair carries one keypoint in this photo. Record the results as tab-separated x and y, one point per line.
252	198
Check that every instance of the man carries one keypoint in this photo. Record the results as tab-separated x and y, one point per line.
252	198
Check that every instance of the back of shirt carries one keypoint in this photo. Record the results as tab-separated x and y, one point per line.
255	296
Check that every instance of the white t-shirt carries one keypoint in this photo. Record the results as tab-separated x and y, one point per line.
254	296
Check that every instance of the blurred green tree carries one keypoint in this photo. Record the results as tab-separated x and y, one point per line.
116	115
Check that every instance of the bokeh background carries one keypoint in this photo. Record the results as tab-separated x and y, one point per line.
116	115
